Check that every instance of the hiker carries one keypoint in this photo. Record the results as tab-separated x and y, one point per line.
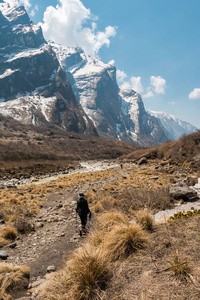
83	210
121	165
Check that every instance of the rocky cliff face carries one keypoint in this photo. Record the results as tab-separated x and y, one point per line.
118	114
33	87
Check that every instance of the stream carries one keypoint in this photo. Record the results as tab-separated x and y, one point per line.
86	166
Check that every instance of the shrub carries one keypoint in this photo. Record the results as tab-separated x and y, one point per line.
180	267
139	199
12	279
8	233
85	275
110	219
144	219
124	240
96	238
23	225
98	207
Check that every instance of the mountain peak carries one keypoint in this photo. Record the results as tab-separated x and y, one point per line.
173	125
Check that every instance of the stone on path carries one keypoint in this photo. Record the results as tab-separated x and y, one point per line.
3	255
51	269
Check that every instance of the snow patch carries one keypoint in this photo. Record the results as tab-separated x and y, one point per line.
8	72
29	53
26	108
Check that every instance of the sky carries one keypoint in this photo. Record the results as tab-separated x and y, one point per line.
154	44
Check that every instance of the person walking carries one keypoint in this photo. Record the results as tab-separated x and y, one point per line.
83	210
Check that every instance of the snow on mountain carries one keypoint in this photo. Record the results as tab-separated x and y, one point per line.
32	109
173	125
44	82
118	114
33	87
140	126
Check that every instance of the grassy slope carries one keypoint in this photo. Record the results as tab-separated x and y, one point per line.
186	149
27	149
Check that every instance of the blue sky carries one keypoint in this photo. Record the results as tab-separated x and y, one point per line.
155	45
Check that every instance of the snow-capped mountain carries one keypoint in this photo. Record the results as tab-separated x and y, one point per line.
173	125
44	83
115	113
33	87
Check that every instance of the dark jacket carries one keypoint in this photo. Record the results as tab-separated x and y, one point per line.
82	207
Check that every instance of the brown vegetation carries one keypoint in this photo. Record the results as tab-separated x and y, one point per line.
12	279
49	149
186	149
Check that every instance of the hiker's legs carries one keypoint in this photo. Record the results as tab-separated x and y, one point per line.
83	222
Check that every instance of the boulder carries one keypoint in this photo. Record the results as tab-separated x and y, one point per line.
183	192
142	160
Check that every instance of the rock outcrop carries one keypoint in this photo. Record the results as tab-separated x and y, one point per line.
33	87
118	114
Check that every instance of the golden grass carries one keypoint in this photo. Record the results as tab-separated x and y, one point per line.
12	279
3	242
106	221
144	219
98	207
123	240
96	238
8	233
86	273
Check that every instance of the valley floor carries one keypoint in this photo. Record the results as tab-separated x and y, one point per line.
57	233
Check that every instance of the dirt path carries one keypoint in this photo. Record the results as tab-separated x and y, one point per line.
56	234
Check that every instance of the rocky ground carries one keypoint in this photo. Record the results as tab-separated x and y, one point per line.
56	230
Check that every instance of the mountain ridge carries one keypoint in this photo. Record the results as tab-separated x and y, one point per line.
45	82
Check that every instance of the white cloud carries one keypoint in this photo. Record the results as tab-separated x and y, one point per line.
26	3
136	84
121	75
171	103
125	86
149	94
195	94
72	24
158	84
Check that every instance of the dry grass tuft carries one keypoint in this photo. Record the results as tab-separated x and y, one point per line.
86	274
144	219
8	233
108	220
98	208
23	225
90	196
3	242
123	240
96	238
180	267
12	279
